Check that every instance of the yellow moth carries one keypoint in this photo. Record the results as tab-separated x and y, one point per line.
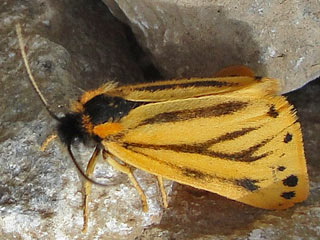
231	135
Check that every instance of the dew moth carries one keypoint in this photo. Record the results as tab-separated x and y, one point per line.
231	135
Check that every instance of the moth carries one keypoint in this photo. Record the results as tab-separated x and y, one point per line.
232	135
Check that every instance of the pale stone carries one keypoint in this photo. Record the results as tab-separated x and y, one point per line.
74	45
189	38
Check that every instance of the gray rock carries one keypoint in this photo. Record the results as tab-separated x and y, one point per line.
191	38
72	46
76	45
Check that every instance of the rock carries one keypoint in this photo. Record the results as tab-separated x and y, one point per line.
191	38
72	46
76	45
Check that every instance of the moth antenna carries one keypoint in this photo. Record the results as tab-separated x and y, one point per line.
46	105
31	78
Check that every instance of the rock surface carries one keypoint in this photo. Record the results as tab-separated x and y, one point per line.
76	45
187	38
72	46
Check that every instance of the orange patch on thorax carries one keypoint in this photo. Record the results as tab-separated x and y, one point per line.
106	129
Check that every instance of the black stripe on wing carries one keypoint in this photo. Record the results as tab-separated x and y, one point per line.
191	84
201	112
246	183
246	155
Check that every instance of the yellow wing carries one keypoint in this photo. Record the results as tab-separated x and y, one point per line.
243	143
193	87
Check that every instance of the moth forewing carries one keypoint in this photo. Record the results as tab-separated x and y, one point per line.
244	144
195	87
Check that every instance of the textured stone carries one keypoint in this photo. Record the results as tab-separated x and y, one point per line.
188	38
74	45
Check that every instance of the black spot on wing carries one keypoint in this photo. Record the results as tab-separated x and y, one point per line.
201	112
248	184
287	138
281	168
273	112
291	181
288	195
258	78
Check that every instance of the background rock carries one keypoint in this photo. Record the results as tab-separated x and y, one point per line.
76	45
187	38
72	46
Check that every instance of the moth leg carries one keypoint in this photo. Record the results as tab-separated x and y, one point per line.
48	140
163	191
87	187
125	169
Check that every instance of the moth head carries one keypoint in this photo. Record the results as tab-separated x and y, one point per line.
70	129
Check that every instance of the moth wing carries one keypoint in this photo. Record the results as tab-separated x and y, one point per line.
242	147
194	87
